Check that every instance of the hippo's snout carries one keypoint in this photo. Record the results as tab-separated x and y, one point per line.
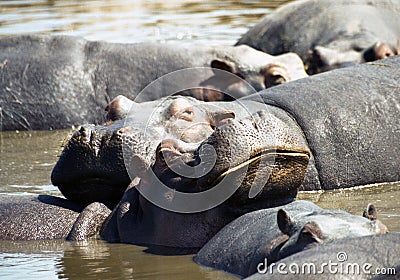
92	156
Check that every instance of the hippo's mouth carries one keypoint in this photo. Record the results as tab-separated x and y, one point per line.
85	187
264	155
269	174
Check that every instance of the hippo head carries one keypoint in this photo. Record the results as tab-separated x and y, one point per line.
243	71
194	189
312	229
323	58
91	166
258	160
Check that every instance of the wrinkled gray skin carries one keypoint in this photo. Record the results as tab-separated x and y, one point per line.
32	217
241	245
52	82
137	220
93	165
349	118
330	34
380	251
98	162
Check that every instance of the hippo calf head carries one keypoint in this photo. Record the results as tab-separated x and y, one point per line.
323	59
243	71
312	229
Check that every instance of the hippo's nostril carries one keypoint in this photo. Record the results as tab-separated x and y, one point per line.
82	130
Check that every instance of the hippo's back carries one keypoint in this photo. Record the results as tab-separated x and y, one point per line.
301	25
34	218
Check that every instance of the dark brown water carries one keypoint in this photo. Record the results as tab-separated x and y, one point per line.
27	158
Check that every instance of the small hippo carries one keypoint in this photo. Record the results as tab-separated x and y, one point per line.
52	82
366	257
330	34
279	232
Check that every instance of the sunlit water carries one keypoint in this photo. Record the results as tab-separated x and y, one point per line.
186	21
27	158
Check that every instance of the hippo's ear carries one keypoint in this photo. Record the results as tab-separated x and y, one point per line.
285	223
225	65
310	234
370	212
275	74
119	108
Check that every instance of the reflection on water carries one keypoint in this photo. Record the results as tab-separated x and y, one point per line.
215	22
94	259
27	158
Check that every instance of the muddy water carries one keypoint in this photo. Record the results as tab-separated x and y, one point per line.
27	158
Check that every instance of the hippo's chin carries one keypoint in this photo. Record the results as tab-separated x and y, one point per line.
93	189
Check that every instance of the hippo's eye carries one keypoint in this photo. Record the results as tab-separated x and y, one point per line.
186	115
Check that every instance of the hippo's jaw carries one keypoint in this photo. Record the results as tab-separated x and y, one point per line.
268	178
271	178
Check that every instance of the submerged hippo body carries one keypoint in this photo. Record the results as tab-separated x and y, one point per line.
278	232
330	34
29	217
33	218
367	257
50	82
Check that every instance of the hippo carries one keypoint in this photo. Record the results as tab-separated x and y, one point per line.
144	210
279	232
92	165
53	82
365	257
330	34
344	127
29	217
